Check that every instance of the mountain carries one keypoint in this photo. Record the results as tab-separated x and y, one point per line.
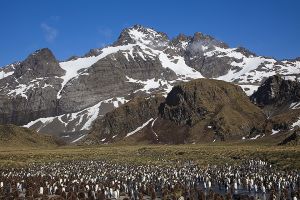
65	98
200	110
279	97
14	136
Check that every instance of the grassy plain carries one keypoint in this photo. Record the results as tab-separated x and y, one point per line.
284	157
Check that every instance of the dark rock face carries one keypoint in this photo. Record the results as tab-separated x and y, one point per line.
19	110
276	91
207	40
276	97
41	63
93	52
210	67
30	92
179	108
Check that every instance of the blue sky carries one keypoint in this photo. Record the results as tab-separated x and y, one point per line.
72	27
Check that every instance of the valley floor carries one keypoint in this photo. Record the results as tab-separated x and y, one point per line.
283	157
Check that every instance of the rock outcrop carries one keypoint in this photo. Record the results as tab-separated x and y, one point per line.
201	110
277	91
279	97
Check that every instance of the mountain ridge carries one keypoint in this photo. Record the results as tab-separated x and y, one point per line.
141	62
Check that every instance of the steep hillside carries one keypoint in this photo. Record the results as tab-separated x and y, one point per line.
14	136
125	121
218	109
201	110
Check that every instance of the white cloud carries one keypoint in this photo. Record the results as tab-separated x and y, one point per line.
106	32
55	18
50	32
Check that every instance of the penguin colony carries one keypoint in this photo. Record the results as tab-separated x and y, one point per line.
95	179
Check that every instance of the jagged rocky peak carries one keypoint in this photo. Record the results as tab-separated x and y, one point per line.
198	36
181	41
182	37
73	58
245	51
276	90
41	63
93	52
207	40
140	34
200	43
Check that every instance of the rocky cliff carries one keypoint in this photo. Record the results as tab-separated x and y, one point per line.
279	97
277	91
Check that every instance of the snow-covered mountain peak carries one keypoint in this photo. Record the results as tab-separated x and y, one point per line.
138	34
207	40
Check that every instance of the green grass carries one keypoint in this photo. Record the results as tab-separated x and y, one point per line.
284	157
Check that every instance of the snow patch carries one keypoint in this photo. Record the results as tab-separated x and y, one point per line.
295	105
5	74
297	123
249	89
275	131
139	128
79	138
151	84
90	114
255	137
178	65
152	124
44	122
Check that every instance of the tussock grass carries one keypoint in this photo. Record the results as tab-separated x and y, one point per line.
284	157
